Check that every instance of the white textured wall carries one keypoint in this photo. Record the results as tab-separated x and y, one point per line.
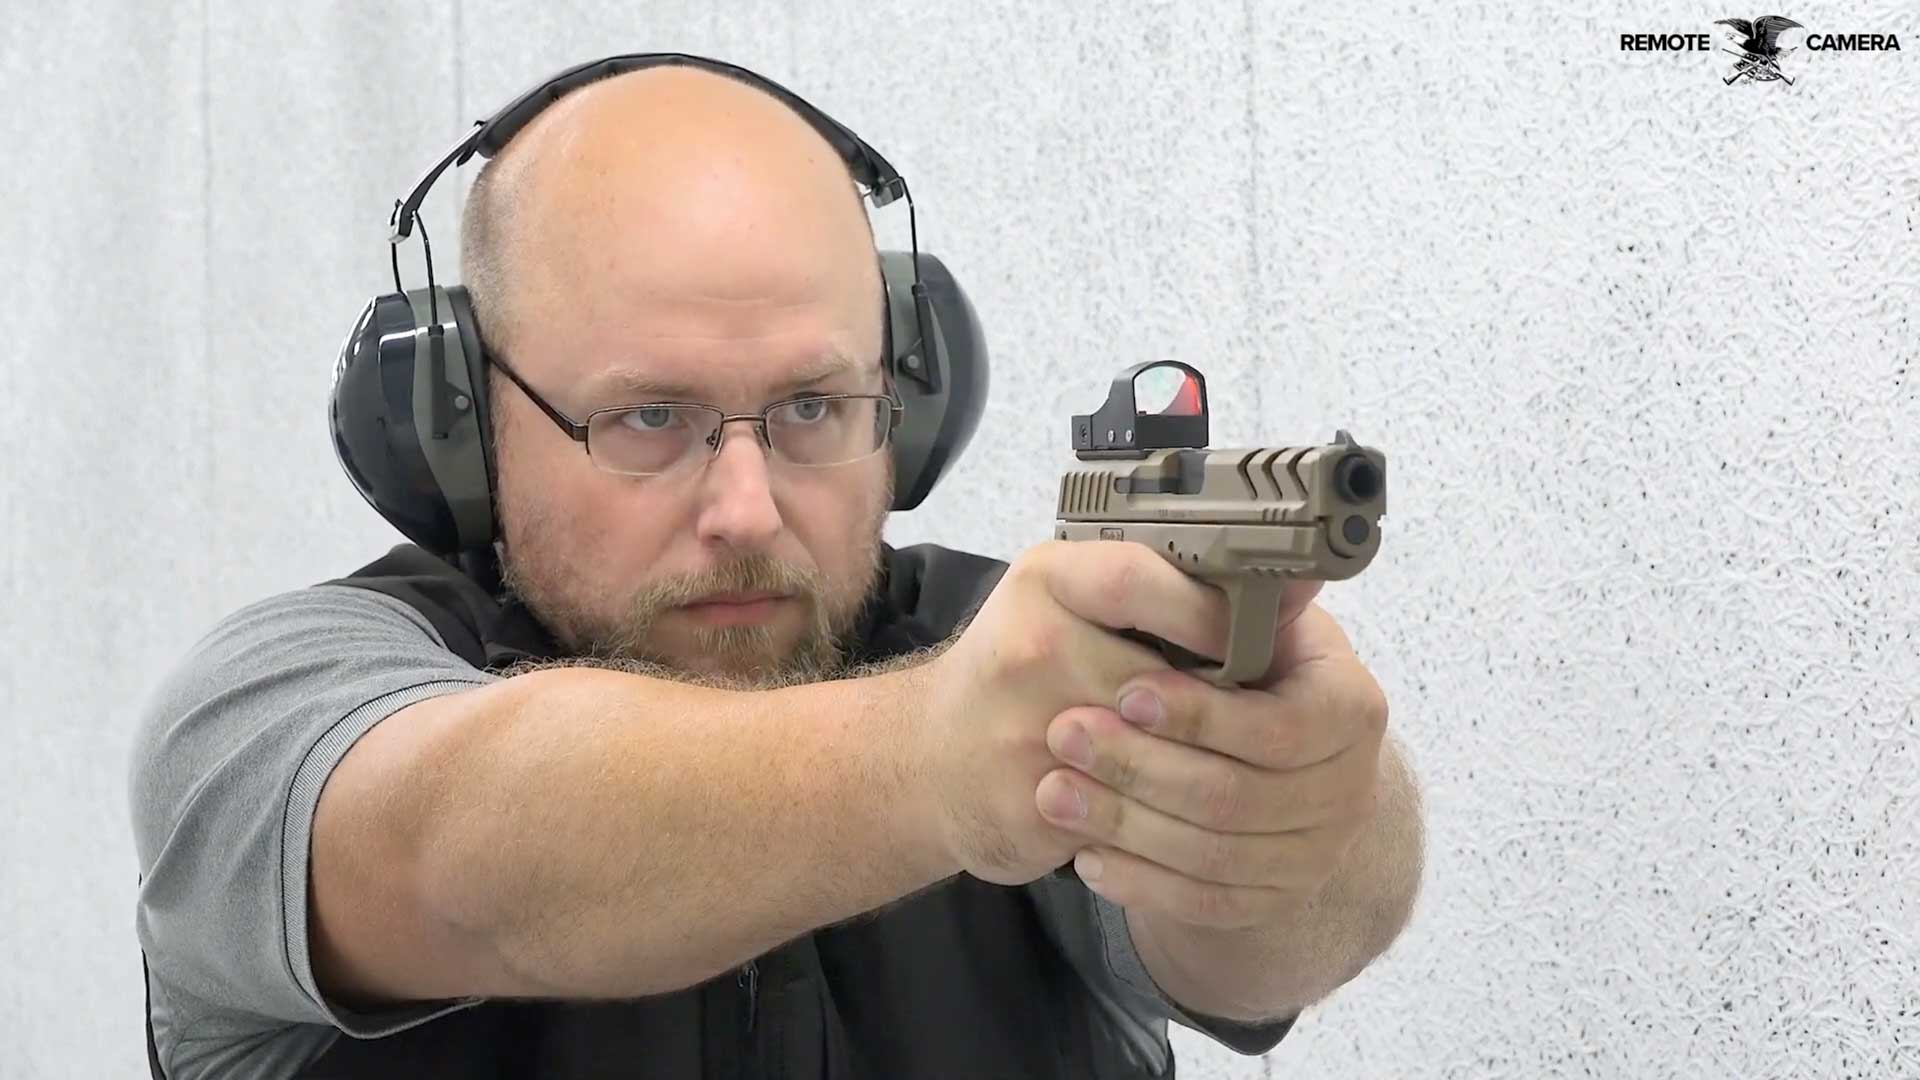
1641	347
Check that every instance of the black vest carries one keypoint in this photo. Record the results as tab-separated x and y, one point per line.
958	981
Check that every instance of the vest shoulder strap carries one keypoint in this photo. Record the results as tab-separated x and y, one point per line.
476	625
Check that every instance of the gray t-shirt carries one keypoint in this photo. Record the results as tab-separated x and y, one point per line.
227	766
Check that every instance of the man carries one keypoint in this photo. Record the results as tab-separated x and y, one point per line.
757	803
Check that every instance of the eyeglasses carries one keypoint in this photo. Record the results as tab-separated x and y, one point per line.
813	431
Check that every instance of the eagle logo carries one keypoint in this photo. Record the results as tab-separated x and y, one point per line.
1760	53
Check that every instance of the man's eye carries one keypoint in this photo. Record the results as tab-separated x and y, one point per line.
809	410
655	419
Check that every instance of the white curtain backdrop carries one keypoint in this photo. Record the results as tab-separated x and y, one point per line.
1643	349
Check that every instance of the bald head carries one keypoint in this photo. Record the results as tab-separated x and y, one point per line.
667	180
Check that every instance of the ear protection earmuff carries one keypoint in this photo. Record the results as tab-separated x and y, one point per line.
409	403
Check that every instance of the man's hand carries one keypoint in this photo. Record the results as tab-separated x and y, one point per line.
1042	644
1226	808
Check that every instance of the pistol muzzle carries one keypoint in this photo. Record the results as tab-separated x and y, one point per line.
1356	479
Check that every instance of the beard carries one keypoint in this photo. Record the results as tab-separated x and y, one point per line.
625	635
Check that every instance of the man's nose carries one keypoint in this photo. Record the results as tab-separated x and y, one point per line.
737	491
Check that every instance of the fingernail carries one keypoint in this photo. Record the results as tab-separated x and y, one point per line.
1087	865
1066	803
1075	749
1142	708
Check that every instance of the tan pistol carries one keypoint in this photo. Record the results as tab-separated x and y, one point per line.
1245	520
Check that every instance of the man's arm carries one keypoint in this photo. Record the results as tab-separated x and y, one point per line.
1276	971
581	832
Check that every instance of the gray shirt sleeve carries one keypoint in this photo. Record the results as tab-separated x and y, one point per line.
228	760
1092	931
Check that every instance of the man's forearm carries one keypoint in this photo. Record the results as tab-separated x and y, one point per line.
610	835
1269	972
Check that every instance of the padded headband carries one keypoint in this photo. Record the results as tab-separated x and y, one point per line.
869	169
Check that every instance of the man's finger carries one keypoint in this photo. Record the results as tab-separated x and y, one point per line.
1311	635
1114	820
1306	718
1214	791
1122	585
1294	599
1139	884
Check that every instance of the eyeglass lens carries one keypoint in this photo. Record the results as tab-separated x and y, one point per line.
806	431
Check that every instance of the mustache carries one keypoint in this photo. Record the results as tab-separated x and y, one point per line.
746	574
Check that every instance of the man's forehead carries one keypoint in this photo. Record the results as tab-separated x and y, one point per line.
642	381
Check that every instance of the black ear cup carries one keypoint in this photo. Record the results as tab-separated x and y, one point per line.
407	420
942	380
